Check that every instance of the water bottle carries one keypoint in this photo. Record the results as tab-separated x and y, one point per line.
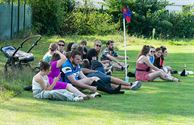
126	79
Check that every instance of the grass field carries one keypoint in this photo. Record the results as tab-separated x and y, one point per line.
156	103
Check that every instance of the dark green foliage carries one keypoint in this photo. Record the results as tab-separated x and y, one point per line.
61	17
79	22
47	15
149	14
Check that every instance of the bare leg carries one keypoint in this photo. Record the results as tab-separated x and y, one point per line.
117	66
122	86
118	81
74	90
161	75
86	84
154	75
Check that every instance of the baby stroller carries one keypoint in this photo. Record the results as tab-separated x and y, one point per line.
17	58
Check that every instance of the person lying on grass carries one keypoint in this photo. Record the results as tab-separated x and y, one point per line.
43	90
145	71
74	75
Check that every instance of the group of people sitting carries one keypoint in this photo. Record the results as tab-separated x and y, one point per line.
150	65
63	74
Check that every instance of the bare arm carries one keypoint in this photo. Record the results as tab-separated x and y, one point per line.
105	61
146	60
83	83
81	75
86	70
62	60
48	87
112	58
121	57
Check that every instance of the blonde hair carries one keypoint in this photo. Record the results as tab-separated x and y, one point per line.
53	46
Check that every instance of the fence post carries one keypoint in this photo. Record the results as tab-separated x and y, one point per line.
24	23
11	35
18	26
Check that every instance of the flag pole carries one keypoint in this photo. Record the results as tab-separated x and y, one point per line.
125	49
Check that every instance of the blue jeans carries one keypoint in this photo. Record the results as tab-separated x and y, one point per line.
103	77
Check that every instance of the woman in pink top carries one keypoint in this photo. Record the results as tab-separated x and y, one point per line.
145	71
57	60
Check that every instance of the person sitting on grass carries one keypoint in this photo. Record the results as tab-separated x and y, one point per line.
74	75
112	57
52	48
93	62
151	54
145	71
167	69
83	45
114	81
101	85
69	45
93	54
61	46
158	61
43	90
57	60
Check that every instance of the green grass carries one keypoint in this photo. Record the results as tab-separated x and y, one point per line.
155	103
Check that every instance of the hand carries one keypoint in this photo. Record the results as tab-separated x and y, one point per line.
120	64
57	78
95	79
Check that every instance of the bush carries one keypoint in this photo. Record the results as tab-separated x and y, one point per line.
94	22
149	14
47	15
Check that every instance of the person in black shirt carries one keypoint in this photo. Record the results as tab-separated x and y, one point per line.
83	45
109	54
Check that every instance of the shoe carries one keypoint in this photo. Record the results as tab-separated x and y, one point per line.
28	88
96	94
121	92
109	73
78	99
130	74
87	97
176	80
136	85
123	67
183	73
174	72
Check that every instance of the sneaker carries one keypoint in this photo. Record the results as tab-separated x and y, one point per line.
174	72
109	72
78	99
87	97
176	80
121	92
136	85
130	74
96	94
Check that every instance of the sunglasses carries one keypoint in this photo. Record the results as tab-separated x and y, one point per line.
61	44
98	45
153	51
